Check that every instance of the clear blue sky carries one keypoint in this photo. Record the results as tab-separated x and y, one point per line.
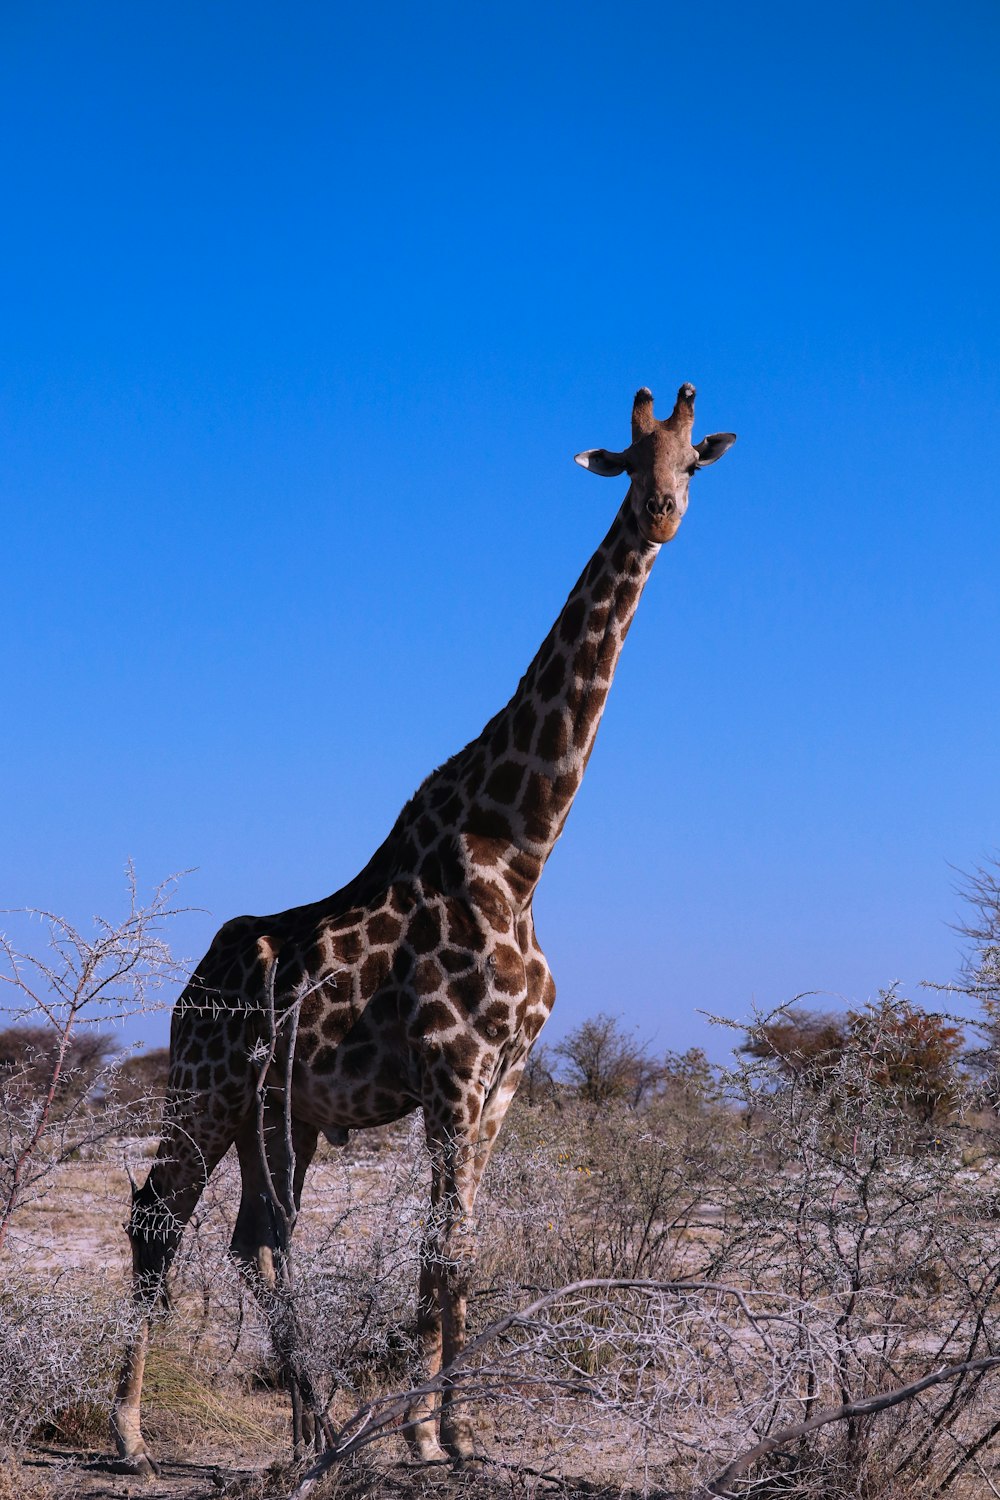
306	310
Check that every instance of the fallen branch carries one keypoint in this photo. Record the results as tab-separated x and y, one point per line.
377	1419
866	1408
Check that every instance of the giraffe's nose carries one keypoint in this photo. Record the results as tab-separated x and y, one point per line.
660	507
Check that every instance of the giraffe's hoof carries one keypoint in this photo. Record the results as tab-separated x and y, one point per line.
456	1436
139	1464
428	1451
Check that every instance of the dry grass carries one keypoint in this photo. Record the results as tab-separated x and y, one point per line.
182	1406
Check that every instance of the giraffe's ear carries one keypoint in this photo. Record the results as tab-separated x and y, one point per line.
600	461
712	448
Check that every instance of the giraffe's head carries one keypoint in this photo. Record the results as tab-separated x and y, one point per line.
660	462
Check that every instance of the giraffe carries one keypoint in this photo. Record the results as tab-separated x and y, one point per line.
420	984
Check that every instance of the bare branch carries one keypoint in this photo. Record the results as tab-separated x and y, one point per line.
866	1408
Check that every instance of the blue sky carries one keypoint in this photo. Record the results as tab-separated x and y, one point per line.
306	310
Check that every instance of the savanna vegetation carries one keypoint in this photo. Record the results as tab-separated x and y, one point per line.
776	1278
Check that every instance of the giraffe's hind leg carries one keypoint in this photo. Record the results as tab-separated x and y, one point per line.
193	1143
260	1246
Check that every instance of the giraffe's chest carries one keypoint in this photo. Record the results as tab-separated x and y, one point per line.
416	990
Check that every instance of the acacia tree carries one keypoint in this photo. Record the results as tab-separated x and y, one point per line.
603	1062
981	971
140	1079
804	1043
538	1083
913	1054
28	1055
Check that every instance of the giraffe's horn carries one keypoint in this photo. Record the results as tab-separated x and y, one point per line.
682	416
642	413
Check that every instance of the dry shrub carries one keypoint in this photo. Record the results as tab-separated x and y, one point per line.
356	1279
80	1424
823	1247
59	1343
572	1193
841	1195
812	1244
57	1085
355	1269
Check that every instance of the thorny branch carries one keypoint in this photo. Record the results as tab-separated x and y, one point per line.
376	1419
283	1211
77	982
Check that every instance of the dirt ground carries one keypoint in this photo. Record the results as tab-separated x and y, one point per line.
50	1471
60	1474
211	1436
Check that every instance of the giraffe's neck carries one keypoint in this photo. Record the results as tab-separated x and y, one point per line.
507	795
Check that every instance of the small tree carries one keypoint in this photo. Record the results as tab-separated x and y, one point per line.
981	970
833	1197
59	999
980	973
603	1062
912	1053
28	1055
141	1078
538	1084
687	1087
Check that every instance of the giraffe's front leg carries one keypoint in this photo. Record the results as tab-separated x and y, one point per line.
422	1416
456	1147
193	1143
468	1163
447	1261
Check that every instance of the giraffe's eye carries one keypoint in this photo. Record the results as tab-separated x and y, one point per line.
691	468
